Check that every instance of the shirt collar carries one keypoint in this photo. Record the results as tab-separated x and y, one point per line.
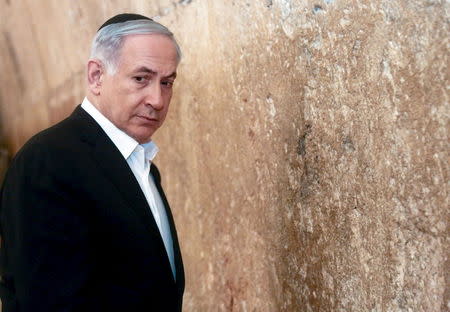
150	150
121	140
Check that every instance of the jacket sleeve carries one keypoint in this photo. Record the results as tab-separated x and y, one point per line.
44	256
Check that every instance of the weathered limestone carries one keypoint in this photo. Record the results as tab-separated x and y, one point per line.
306	152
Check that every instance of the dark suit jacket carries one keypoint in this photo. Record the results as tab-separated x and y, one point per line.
77	232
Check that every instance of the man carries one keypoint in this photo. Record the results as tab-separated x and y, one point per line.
85	224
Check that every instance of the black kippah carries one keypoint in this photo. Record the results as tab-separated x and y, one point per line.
124	18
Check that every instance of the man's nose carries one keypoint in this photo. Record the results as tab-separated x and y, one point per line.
154	96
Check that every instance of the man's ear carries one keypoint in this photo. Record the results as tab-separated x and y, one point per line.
95	72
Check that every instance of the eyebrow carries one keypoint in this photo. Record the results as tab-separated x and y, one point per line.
144	69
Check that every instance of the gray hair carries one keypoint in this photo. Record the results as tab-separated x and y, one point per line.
108	41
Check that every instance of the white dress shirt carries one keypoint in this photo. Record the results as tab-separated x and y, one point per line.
139	158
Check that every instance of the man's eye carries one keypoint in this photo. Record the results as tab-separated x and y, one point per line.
139	79
167	84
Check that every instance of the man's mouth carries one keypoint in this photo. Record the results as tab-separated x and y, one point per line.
149	119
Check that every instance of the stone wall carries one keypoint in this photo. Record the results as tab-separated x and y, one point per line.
306	152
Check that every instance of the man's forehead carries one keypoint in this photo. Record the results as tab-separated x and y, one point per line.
151	71
144	54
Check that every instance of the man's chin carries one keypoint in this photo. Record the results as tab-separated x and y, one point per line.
142	138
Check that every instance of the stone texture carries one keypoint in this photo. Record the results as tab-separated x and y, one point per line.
306	152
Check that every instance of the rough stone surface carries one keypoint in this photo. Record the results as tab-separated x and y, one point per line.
306	152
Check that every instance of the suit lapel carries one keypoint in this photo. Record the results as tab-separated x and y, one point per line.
115	167
176	247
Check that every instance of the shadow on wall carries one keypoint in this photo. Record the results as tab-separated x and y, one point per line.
4	156
4	161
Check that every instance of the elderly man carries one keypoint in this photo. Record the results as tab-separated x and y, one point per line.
85	224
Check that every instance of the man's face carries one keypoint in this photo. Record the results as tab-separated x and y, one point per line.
137	96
